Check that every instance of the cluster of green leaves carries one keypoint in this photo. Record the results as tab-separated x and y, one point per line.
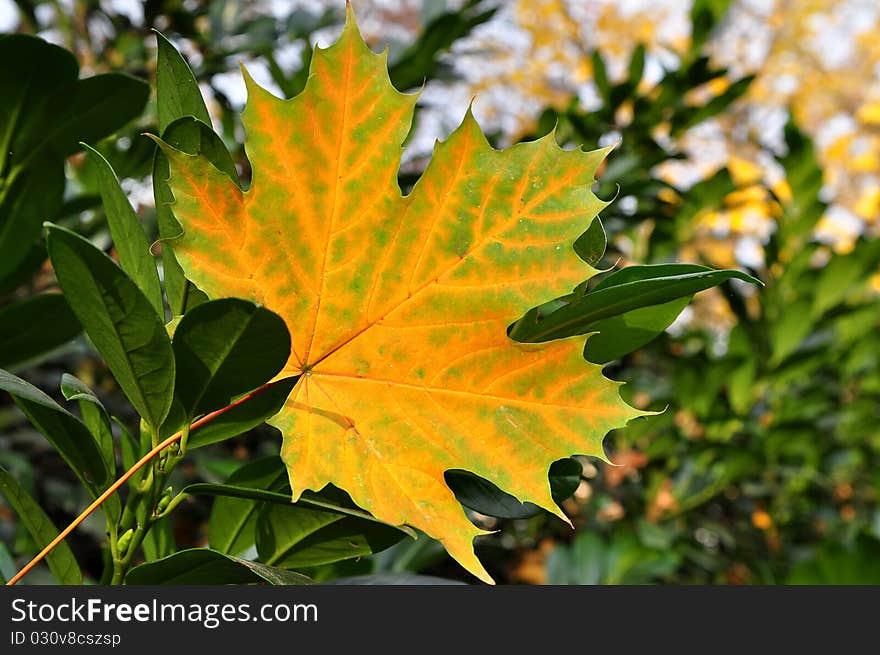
646	298
763	468
645	124
774	446
46	111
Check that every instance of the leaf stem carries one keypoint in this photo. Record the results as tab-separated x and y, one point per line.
122	480
183	439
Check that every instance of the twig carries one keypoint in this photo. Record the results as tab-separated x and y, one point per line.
125	476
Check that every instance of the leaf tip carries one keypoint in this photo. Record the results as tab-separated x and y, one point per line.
469	126
169	150
245	73
255	92
554	509
753	280
162	41
351	26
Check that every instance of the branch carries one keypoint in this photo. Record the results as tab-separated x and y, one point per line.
207	418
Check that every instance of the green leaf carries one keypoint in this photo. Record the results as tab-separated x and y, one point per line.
206	566
834	564
308	499
420	61
98	422
741	387
705	15
636	66
805	177
159	541
254	505
45	112
86	110
245	416
67	434
627	289
61	561
482	496
196	138
296	537
30	197
627	332
35	326
792	327
590	246
234	515
225	348
7	565
94	416
600	78
393	579
129	451
119	320
840	278
39	69
177	92
128	235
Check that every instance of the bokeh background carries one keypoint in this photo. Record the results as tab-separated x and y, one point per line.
747	135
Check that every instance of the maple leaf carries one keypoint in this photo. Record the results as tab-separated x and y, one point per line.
398	305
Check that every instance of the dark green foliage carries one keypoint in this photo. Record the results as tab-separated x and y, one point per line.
34	326
419	62
768	451
131	243
61	561
119	320
482	496
94	416
253	508
204	566
612	304
632	117
67	434
244	416
46	112
225	348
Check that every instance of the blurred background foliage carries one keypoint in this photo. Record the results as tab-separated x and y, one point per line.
746	133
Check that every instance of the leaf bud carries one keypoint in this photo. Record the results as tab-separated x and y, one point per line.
124	542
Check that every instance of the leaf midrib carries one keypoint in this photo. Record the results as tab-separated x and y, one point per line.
336	180
230	345
479	242
104	294
446	390
665	287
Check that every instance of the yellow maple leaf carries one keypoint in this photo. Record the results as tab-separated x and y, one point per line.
398	305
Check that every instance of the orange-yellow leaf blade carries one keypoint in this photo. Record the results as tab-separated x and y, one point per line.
398	306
